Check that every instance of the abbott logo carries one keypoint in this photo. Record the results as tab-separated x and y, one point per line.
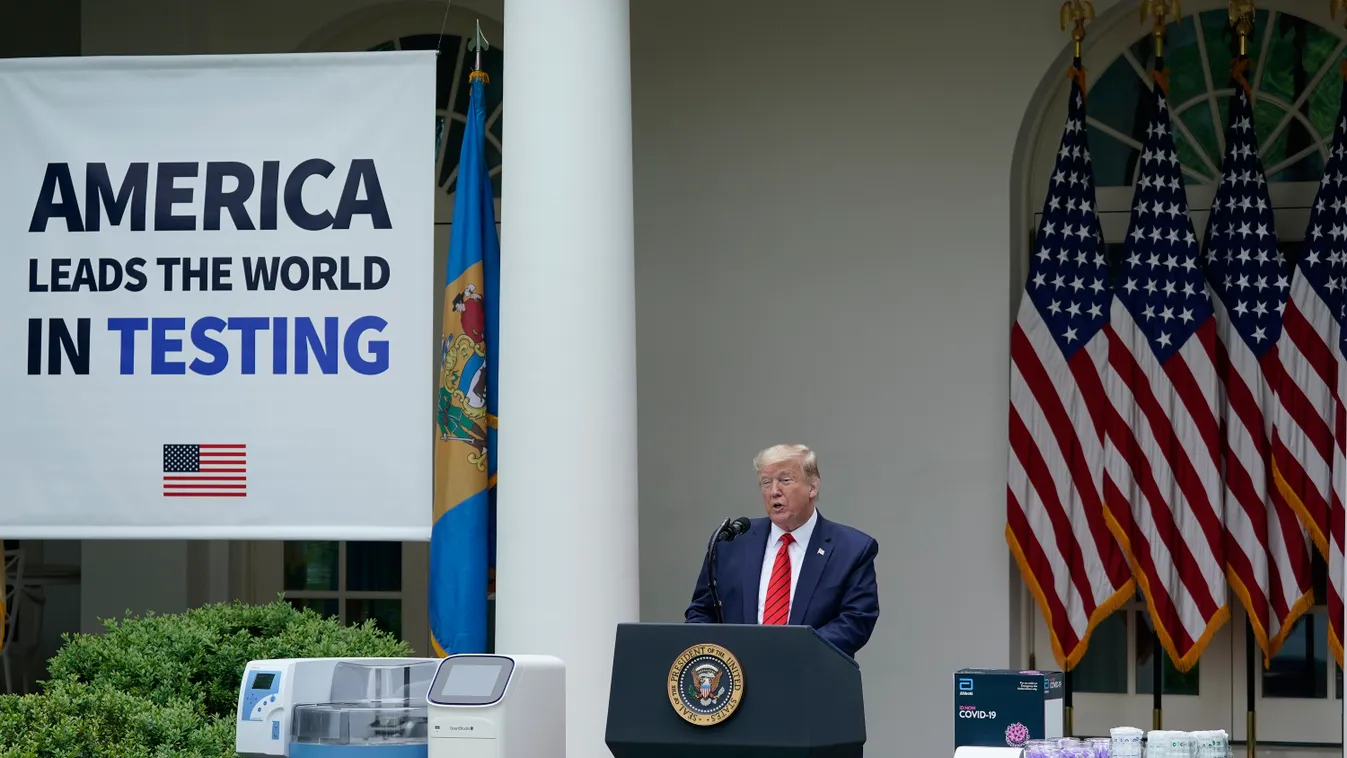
965	685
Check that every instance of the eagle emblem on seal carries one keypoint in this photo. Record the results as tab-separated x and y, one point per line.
705	684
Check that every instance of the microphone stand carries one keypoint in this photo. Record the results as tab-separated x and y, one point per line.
719	612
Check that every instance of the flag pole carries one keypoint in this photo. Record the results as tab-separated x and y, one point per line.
1159	10
1157	679
1076	13
1242	18
1251	714
477	45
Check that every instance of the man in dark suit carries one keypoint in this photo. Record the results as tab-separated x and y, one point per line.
794	566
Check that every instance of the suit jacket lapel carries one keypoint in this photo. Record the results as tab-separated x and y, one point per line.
811	570
754	551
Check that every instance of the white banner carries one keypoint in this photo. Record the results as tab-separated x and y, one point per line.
215	296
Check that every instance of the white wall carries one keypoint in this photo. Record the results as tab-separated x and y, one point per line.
823	226
135	575
823	209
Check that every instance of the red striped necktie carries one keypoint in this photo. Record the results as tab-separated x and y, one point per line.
777	608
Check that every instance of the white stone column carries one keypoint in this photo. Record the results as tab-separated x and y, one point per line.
567	570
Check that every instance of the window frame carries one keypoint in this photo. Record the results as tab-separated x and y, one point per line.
268	582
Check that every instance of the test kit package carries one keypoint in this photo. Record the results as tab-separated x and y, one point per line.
999	707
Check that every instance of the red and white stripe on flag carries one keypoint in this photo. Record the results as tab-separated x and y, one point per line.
1267	553
1310	427
1055	524
1162	483
1162	475
1310	430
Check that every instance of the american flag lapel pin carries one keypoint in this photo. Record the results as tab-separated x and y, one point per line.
820	551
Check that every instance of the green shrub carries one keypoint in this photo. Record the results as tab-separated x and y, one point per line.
202	653
168	684
99	721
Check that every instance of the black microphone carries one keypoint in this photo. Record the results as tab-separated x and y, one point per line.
727	531
733	529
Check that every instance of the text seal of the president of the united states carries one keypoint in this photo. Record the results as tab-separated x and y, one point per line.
706	684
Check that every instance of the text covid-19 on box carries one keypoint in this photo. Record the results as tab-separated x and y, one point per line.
999	707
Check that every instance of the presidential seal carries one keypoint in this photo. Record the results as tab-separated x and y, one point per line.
706	684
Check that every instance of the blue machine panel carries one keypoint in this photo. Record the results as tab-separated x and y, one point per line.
263	687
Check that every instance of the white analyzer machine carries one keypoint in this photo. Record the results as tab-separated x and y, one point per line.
498	706
334	708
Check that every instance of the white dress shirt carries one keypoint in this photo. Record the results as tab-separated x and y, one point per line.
796	553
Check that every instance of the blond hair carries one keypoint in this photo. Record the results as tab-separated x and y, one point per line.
798	454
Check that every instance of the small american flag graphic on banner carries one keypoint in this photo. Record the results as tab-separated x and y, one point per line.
205	470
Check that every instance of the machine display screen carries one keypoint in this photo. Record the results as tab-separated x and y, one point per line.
263	681
471	680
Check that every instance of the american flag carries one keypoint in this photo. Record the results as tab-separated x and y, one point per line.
1267	555
1311	422
1162	481
205	470
1055	522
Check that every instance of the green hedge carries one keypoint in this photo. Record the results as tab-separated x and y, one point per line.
167	685
94	721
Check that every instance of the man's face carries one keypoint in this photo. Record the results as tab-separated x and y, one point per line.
787	495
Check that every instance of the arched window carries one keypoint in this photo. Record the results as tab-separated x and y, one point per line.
1295	84
451	101
1295	77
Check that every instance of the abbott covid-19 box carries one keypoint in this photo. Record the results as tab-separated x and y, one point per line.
1004	708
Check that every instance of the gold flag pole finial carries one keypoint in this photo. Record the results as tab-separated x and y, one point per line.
1160	10
477	44
1241	16
1079	12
